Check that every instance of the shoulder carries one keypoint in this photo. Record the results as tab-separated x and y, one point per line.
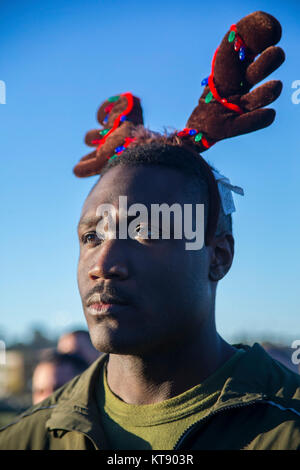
29	430
260	372
278	413
279	381
274	427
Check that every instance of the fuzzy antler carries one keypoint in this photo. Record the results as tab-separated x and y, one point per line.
226	107
119	115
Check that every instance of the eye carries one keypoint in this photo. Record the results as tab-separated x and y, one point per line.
143	232
91	238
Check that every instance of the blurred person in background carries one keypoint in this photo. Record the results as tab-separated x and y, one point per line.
78	342
53	371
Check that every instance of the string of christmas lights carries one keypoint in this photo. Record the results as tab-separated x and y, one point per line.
120	118
240	47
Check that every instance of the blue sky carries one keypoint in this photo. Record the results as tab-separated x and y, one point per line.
60	60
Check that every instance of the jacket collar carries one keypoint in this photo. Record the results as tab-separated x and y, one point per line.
259	377
76	407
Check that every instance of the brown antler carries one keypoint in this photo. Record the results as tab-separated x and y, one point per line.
226	108
119	115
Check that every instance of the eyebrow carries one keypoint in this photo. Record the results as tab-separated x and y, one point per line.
93	220
88	221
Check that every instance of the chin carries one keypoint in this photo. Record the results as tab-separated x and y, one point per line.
108	340
115	341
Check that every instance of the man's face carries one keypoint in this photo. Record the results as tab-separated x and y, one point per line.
47	378
157	293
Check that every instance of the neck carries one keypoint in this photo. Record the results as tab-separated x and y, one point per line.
159	375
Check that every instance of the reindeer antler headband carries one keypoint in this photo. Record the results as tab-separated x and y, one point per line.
226	108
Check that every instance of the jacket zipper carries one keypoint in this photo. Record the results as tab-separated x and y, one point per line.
194	426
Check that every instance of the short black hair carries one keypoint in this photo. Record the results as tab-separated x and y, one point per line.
187	161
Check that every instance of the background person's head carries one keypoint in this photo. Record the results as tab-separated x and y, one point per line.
53	371
78	342
168	291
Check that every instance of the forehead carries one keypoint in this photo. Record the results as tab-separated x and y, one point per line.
153	184
44	373
67	342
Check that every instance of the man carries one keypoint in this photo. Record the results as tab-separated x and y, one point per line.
53	371
168	380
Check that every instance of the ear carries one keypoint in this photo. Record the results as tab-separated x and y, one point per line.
222	252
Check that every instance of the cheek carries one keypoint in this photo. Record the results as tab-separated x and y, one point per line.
160	277
83	269
79	275
187	277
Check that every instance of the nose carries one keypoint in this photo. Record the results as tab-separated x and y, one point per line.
109	262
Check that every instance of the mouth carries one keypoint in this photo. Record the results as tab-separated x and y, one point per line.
105	304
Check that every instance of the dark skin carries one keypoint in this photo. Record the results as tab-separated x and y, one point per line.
164	340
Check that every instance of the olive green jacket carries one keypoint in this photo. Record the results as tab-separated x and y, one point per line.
259	408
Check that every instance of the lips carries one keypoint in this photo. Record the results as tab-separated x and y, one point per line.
107	300
104	300
106	309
